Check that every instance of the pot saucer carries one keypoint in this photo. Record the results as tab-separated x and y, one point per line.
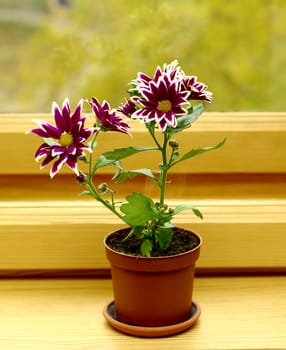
109	313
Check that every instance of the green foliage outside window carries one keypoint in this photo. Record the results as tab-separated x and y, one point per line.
51	49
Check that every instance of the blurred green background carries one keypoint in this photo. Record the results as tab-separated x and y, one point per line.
83	48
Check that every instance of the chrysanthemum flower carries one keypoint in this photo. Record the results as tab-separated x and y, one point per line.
198	90
161	101
64	142
128	108
109	119
173	70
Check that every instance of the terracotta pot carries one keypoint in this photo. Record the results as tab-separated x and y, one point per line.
153	292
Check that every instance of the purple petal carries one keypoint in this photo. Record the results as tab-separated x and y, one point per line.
56	167
149	118
140	113
59	120
170	118
71	162
72	150
179	111
58	150
46	130
77	113
150	96
66	111
46	161
51	130
39	132
42	151
158	73
162	125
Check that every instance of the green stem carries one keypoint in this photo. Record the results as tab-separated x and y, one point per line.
98	197
90	185
164	167
152	133
92	145
164	170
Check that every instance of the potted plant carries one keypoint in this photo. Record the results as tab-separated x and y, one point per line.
152	261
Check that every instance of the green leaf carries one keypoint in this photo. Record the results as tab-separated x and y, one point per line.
146	248
103	161
195	152
83	159
182	207
175	156
137	231
139	209
123	175
164	236
83	193
185	121
111	157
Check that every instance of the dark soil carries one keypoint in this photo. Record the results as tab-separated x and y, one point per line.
183	241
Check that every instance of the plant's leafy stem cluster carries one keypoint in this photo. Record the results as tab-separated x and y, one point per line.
164	103
150	221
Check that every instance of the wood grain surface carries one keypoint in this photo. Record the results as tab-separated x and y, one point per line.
237	313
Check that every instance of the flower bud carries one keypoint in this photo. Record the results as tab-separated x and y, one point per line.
103	187
174	144
81	179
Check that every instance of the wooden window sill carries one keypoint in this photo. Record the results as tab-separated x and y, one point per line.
241	190
241	233
237	313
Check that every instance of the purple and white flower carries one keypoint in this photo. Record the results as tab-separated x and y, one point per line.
64	142
165	96
173	70
128	108
162	101
109	119
197	89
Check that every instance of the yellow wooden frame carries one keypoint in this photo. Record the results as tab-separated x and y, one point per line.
254	143
241	190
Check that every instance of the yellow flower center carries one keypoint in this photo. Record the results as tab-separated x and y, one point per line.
66	139
164	106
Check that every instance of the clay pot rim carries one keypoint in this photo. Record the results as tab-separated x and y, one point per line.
154	258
